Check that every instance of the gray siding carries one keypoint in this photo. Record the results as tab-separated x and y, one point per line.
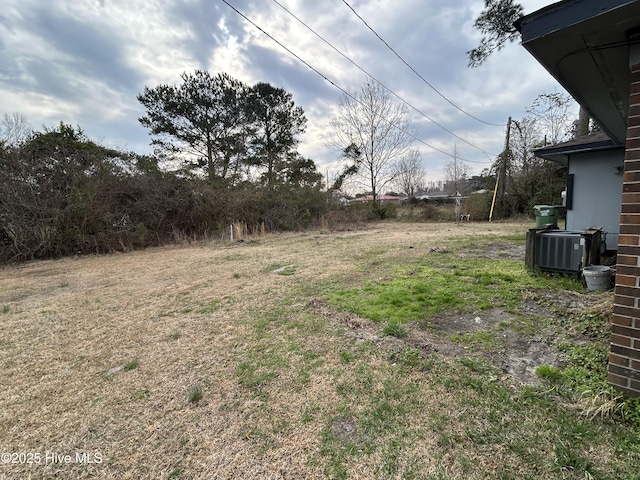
597	193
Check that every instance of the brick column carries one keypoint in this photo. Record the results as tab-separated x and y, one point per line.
624	360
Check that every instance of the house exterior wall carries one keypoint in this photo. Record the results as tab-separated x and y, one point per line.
597	188
624	359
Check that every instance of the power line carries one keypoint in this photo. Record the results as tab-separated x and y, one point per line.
336	85
380	83
418	74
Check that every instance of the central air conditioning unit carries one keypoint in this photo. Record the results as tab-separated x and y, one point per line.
559	251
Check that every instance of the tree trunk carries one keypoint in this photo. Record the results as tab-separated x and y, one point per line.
210	167
583	122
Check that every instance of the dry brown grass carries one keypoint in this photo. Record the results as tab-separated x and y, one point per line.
193	315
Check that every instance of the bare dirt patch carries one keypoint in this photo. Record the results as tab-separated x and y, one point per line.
497	250
515	354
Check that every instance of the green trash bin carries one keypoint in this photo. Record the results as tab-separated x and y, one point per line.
545	215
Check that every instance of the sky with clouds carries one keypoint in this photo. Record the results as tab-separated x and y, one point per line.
84	62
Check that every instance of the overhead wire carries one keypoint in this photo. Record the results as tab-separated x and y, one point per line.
417	73
380	83
327	79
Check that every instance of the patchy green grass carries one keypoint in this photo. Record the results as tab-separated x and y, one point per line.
537	436
443	282
485	340
284	269
141	395
211	307
375	416
383	412
567	417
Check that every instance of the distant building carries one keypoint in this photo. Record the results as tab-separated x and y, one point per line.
382	199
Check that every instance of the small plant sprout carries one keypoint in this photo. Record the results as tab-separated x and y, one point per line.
394	328
195	394
548	372
131	365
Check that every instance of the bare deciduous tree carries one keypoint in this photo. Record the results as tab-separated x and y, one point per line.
554	112
14	129
525	137
379	128
533	180
409	173
455	173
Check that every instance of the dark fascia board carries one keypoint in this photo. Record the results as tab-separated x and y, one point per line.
563	14
591	143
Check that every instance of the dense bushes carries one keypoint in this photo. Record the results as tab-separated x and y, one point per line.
61	194
478	205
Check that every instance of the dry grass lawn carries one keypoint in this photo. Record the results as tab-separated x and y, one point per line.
215	361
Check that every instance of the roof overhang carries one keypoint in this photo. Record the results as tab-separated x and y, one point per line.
585	45
560	152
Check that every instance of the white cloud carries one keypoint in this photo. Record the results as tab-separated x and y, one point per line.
84	62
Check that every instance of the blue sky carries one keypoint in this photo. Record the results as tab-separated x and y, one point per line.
84	62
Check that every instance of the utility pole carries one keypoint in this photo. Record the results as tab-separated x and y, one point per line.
505	156
502	164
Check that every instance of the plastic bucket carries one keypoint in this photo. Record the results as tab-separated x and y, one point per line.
598	277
